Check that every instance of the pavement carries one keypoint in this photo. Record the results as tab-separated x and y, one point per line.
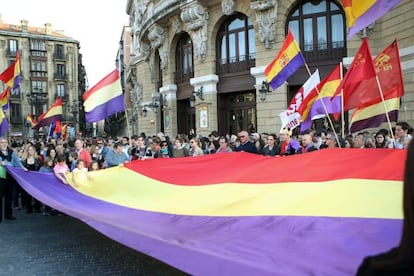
61	245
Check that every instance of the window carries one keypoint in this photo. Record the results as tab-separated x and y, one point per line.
319	26
184	60
13	47
60	90
39	87
236	45
59	51
38	68
60	70
15	113
38	47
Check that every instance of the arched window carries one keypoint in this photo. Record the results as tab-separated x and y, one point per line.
319	28
184	60
236	48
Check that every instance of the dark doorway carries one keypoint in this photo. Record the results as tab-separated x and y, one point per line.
237	111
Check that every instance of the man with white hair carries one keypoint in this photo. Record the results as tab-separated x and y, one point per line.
245	144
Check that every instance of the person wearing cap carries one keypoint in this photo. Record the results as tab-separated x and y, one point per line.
288	146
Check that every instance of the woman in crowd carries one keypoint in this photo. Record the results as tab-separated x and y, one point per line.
32	162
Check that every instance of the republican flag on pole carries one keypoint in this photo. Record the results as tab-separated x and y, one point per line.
288	61
57	129
4	124
355	85
31	121
312	106
52	115
360	14
372	114
104	99
5	99
11	76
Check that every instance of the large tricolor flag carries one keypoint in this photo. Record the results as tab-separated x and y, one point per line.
5	99
317	105
11	76
31	121
361	13
4	124
355	86
104	99
288	61
242	221
373	114
52	115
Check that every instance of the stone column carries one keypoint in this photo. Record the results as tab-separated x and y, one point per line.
207	107
169	95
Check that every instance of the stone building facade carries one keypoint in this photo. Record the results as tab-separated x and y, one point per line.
199	65
51	67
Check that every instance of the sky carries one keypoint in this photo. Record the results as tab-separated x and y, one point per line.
96	24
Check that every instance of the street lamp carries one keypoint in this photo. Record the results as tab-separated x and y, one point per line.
196	93
264	90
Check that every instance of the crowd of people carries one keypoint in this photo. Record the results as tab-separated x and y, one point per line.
60	156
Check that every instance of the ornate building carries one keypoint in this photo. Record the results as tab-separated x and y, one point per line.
200	64
51	67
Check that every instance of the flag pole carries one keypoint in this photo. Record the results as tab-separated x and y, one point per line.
128	125
48	133
385	107
341	74
325	109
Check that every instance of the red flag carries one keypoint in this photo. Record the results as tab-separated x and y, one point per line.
372	114
356	89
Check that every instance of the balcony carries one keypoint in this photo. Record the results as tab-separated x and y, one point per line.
59	56
61	95
60	76
235	64
183	76
12	53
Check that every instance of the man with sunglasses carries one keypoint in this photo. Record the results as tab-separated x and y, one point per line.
245	144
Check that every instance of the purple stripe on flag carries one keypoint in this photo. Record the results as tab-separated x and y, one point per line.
102	111
47	121
379	9
4	127
201	245
287	71
374	121
317	108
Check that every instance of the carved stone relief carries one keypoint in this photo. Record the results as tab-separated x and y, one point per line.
158	36
227	6
195	18
176	25
266	19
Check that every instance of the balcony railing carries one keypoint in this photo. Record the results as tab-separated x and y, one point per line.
59	56
324	52
183	76
236	64
60	76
